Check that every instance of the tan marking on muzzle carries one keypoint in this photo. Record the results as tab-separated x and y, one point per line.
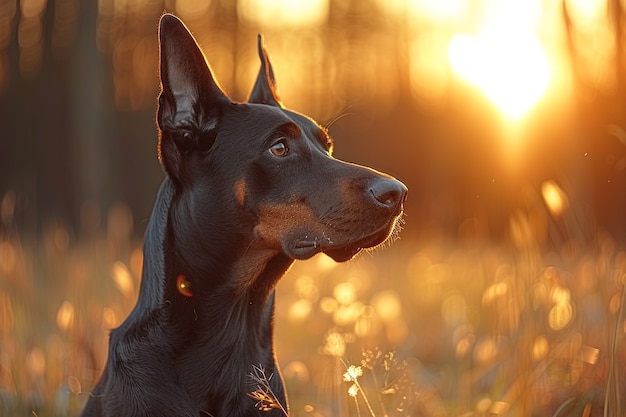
276	220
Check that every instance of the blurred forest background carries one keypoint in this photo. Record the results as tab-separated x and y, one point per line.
468	102
505	118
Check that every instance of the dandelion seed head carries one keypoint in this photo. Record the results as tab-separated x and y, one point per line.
353	373
353	391
370	358
335	344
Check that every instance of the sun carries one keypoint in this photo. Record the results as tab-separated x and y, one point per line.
506	61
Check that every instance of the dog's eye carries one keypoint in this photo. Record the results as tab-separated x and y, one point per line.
279	149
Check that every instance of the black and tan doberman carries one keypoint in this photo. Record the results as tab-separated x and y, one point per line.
250	187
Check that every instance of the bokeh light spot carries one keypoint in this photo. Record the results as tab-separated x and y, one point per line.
541	346
590	354
109	320
387	306
299	310
560	316
36	362
555	198
65	316
334	345
485	350
123	279
345	293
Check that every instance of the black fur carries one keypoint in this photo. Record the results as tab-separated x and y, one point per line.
250	187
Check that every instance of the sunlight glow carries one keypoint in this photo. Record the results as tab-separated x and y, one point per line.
190	9
284	13
586	11
439	9
505	60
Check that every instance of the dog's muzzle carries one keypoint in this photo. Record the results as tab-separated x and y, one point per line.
366	222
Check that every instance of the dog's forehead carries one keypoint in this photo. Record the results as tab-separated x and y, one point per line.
305	123
274	118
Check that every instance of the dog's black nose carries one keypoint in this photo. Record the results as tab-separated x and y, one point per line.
388	192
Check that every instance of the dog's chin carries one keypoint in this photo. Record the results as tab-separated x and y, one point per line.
339	251
344	254
305	249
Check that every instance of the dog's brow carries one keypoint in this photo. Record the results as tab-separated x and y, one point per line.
324	139
290	129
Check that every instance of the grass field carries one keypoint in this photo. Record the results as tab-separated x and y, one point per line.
438	328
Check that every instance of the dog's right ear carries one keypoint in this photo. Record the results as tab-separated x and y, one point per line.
265	90
190	102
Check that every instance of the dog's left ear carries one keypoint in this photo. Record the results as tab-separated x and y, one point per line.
191	101
265	90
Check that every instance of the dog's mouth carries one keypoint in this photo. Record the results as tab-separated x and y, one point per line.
342	249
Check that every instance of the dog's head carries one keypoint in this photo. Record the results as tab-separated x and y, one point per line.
267	171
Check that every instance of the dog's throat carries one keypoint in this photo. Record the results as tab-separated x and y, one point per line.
183	286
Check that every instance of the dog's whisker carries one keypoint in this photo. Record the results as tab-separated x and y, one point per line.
343	113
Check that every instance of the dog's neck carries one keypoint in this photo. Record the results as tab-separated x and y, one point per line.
228	320
218	281
225	294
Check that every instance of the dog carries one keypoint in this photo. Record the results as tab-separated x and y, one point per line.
249	188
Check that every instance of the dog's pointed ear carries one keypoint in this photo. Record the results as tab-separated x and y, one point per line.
265	90
191	100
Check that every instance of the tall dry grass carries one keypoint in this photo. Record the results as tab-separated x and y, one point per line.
434	328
